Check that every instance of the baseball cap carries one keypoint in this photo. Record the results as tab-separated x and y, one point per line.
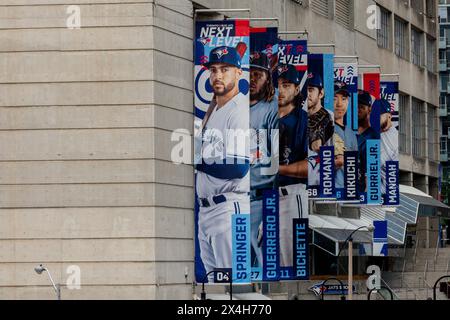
383	105
341	87
259	60
315	80
289	72
364	98
228	55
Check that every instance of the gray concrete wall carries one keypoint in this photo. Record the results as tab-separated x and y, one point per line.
85	122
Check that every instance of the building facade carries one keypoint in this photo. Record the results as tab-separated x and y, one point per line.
444	67
87	115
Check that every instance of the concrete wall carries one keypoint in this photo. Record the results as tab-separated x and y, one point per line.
85	122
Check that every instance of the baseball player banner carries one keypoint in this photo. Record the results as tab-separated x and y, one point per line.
264	153
345	131
320	105
369	145
293	144
390	188
222	156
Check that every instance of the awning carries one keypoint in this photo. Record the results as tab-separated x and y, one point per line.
330	232
427	205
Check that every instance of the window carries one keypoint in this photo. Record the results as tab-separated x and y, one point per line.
401	38
321	7
404	123
419	128
344	13
384	32
432	133
417	47
431	54
444	81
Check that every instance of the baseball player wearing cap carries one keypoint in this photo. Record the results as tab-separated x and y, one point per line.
222	181
293	158
320	125
263	144
344	136
389	140
365	132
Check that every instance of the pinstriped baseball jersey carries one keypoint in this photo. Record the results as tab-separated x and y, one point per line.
219	143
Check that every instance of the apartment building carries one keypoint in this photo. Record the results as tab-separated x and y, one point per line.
86	116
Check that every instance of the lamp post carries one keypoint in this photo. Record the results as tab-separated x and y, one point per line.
57	288
350	258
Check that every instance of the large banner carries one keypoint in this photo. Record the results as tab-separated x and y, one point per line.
320	104
222	156
346	130
293	171
264	154
390	188
369	146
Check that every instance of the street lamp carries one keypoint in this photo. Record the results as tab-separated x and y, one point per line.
57	288
350	258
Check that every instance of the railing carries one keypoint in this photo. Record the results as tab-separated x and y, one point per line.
396	297
428	287
403	273
436	253
415	254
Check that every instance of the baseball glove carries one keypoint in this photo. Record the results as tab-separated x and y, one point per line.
320	127
339	145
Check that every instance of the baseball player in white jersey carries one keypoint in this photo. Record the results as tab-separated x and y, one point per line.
389	141
223	180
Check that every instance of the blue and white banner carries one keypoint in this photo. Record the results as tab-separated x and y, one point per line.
327	187
293	147
320	106
241	248
369	145
389	144
264	143
221	153
380	239
270	241
301	249
351	176
346	130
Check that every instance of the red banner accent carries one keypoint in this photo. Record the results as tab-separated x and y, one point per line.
371	84
258	30
242	28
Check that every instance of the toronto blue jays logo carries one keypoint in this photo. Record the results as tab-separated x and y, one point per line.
204	41
221	52
282	69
